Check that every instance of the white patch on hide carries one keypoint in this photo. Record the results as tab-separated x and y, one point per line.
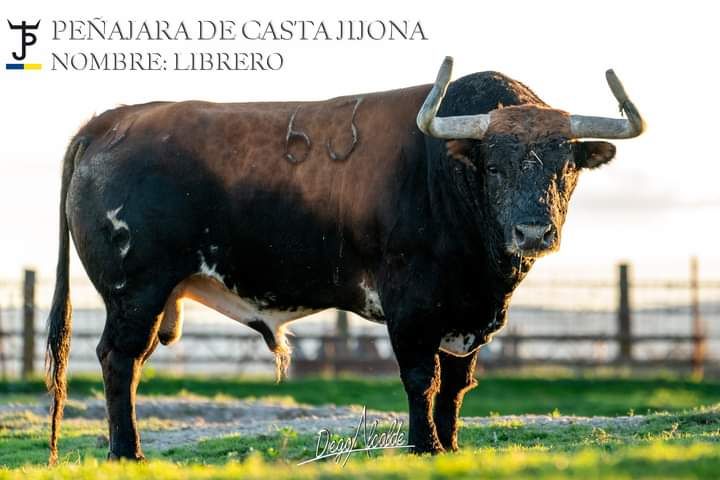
373	308
457	343
258	302
118	224
209	271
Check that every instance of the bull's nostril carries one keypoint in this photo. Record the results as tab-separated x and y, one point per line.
519	235
549	236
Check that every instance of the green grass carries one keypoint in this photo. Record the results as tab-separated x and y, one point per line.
699	425
651	461
589	396
685	445
679	439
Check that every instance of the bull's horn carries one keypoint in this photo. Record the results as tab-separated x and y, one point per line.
602	127
462	126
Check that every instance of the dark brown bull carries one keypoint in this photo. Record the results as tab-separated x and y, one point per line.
267	212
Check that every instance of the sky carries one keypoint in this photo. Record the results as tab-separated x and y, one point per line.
655	205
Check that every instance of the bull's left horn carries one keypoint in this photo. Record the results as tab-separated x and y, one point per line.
582	126
462	126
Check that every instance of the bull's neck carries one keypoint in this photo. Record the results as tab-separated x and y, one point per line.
467	229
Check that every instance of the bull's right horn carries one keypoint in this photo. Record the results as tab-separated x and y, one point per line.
461	126
583	126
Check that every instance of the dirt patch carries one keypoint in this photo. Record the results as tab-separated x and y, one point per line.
181	421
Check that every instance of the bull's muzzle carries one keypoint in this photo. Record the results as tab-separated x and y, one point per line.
534	240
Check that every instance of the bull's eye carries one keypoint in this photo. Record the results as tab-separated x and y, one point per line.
492	170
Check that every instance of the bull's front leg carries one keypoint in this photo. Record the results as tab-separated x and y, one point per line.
419	371
457	376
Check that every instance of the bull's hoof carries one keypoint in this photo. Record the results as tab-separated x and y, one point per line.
432	449
449	444
137	457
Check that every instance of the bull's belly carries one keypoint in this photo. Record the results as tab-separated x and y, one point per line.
213	294
256	313
270	321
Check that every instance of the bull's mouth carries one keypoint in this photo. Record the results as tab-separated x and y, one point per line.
530	254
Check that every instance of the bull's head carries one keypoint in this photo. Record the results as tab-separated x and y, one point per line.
526	160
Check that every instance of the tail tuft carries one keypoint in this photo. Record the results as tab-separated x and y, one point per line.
282	351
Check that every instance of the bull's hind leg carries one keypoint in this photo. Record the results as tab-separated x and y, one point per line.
130	336
457	376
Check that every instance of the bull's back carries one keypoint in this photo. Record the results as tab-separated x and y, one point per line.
269	191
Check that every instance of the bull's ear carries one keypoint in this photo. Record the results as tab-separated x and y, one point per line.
593	154
460	150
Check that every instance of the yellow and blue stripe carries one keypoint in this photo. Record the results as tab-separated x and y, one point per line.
23	66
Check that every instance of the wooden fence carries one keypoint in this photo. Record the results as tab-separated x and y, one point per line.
340	351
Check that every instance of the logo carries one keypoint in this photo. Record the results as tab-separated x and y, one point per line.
331	446
27	39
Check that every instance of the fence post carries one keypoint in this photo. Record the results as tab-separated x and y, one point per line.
624	314
28	352
698	330
341	340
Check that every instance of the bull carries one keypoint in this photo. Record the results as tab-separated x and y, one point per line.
422	208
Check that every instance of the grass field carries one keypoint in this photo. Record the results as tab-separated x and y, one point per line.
679	436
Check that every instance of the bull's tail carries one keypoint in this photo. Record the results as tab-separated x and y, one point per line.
60	318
